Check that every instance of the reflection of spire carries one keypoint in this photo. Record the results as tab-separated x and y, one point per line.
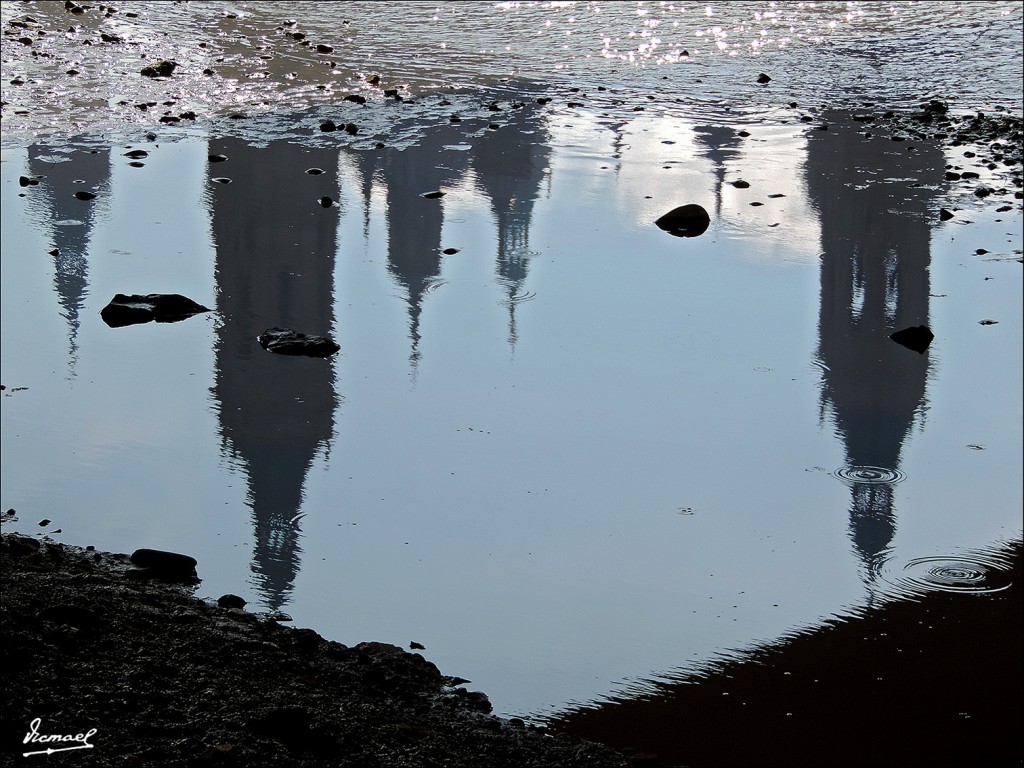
71	221
510	165
874	280
275	267
415	223
722	144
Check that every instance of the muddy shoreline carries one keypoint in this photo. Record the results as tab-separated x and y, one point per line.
165	679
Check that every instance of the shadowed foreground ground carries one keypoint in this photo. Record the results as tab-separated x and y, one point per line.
166	679
936	682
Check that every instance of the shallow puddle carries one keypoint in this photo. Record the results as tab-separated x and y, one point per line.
560	448
579	459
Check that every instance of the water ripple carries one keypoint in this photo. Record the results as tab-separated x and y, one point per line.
869	475
971	573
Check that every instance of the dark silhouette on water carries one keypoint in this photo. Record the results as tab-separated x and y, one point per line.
54	204
875	235
275	255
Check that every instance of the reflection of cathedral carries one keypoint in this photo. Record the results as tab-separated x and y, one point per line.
275	250
69	220
875	234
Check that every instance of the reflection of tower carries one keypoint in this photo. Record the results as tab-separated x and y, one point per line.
415	223
275	267
510	164
71	221
723	145
874	280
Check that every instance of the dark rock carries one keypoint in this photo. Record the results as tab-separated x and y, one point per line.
416	646
137	154
355	98
285	342
159	562
322	48
217	158
162	307
432	195
44	522
987	322
391	93
85	195
351	129
160	69
952	176
763	78
741	184
983	191
450	251
328	125
686	221
326	202
917	338
231	601
945	215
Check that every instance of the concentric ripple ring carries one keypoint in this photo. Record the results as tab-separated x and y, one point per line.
871	475
958	574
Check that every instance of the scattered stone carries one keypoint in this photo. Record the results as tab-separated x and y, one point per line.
987	322
432	195
945	215
416	646
231	601
160	307
322	48
160	69
286	342
741	184
355	98
328	125
917	338
763	78
85	195
217	158
25	181
137	154
685	221
450	251
166	566
44	522
326	202
351	128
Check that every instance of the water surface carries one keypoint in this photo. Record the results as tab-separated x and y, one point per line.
570	454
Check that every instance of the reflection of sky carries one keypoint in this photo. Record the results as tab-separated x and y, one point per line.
529	506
